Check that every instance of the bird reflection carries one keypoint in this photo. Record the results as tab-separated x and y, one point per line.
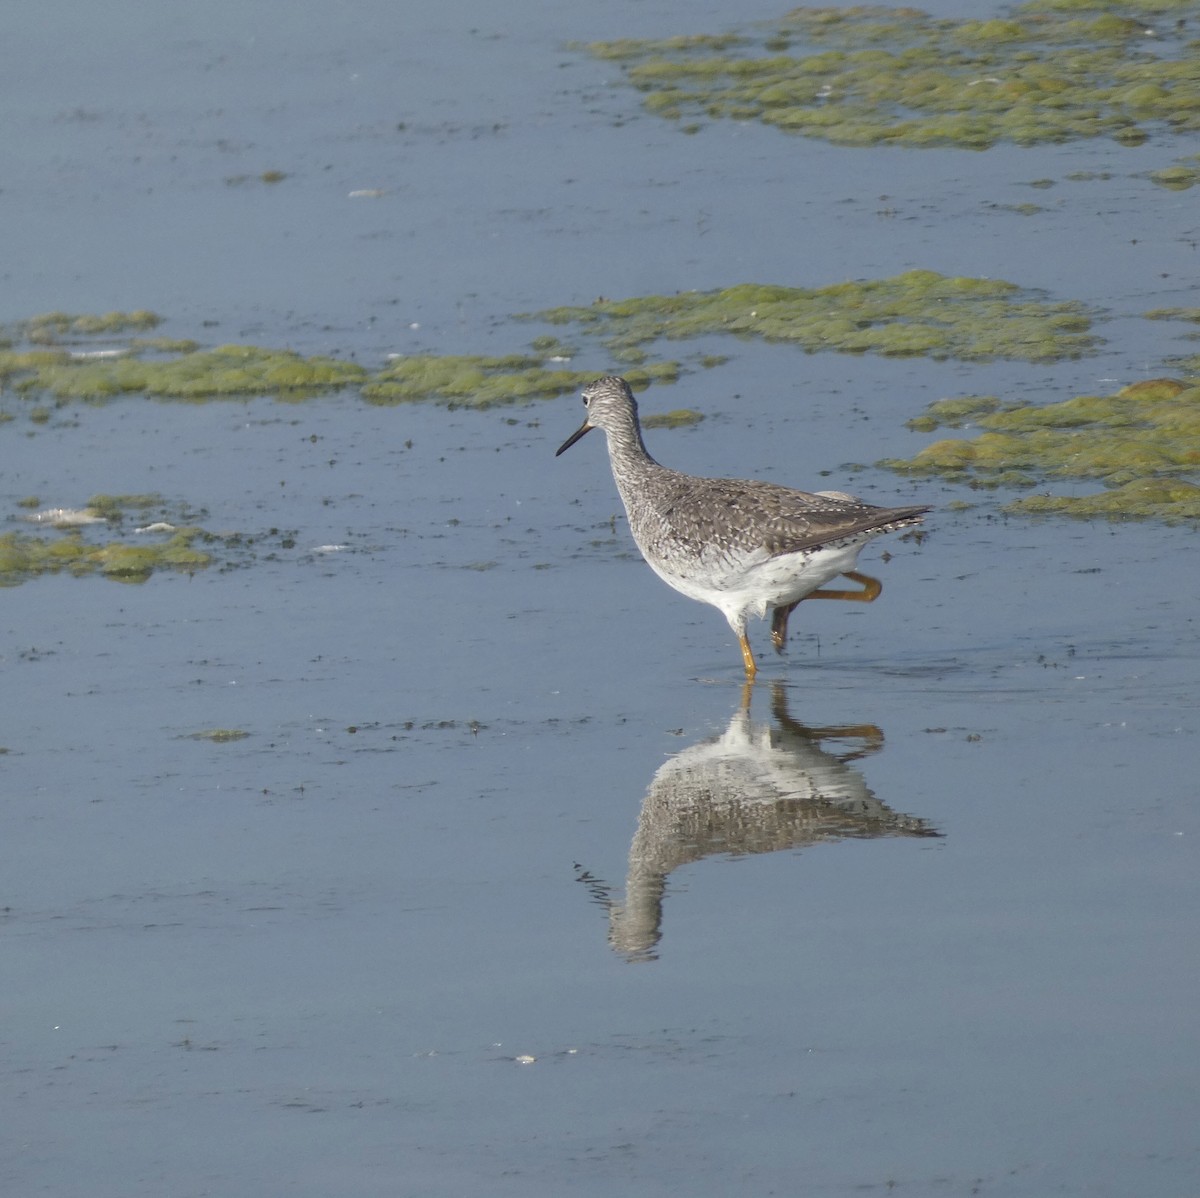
757	788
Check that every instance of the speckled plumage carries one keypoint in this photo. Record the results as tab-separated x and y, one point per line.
746	547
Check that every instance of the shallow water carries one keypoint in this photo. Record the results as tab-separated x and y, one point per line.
311	961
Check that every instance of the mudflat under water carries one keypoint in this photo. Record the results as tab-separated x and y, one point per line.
510	888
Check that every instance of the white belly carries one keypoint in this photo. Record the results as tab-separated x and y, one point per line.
752	586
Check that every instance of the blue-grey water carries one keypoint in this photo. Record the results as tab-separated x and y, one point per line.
446	921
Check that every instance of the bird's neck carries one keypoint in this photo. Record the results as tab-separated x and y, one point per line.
626	450
630	461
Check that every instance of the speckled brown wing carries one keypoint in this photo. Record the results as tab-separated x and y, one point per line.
743	517
808	528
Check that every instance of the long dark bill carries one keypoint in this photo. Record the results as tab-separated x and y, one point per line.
583	428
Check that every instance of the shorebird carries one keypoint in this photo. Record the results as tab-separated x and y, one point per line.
747	547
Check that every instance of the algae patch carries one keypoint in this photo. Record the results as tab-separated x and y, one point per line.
1191	315
50	361
24	556
226	371
676	418
1142	444
58	326
1051	71
480	382
919	312
81	543
1144	499
1180	175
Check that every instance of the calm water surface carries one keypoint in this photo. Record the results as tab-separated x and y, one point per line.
919	919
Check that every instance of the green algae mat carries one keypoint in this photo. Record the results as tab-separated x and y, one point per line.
1141	444
73	548
153	535
918	313
1052	71
55	358
24	556
52	360
1180	175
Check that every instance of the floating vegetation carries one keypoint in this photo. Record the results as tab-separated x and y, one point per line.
1180	175
1142	443
165	536
1052	71
51	361
481	382
115	507
1172	500
59	326
50	358
268	177
916	313
24	556
954	413
219	736
1191	315
227	371
676	418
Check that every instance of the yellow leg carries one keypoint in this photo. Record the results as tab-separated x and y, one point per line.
871	588
747	657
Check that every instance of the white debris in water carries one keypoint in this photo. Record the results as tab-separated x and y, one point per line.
65	517
525	1059
157	526
100	353
330	548
367	193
